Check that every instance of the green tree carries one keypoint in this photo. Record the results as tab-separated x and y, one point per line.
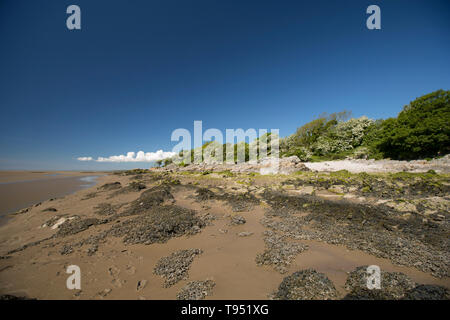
421	130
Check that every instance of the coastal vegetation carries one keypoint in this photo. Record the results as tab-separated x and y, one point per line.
420	131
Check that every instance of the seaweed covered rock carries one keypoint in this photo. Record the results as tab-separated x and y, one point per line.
105	209
150	198
428	292
9	297
75	226
406	239
279	253
239	202
203	194
134	186
175	267
196	290
306	285
110	186
394	286
158	225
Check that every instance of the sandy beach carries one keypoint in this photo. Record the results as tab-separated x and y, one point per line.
233	236
20	189
24	176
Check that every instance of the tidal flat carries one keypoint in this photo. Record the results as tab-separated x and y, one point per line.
156	234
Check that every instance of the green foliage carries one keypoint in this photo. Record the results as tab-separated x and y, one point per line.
342	137
371	139
328	138
167	161
421	130
308	134
302	153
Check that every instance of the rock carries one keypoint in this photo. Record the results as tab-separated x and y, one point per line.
92	250
110	186
402	206
141	285
12	297
268	165
241	199
175	267
306	285
74	226
338	189
309	190
245	234
204	194
158	224
237	220
51	209
279	253
150	198
22	211
375	229
105	209
54	222
394	285
134	186
428	292
66	249
196	290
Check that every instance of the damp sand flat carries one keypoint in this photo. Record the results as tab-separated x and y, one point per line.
25	189
23	176
115	269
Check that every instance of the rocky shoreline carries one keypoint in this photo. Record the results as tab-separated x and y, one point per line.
160	233
293	164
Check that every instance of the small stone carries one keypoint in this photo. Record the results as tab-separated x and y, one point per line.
237	220
141	285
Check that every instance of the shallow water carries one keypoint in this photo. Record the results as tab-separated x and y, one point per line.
15	196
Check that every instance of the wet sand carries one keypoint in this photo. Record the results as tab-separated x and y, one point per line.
228	259
22	176
19	190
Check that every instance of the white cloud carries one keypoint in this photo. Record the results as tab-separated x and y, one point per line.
141	156
84	159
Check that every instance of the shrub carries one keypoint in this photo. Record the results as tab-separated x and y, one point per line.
421	130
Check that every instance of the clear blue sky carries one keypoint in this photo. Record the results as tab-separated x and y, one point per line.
140	69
